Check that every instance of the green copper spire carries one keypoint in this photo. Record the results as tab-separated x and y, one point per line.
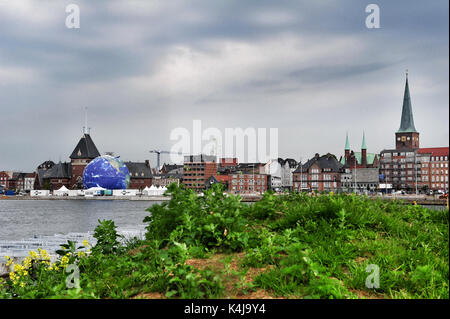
407	122
363	146
347	145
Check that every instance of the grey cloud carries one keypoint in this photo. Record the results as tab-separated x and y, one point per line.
105	66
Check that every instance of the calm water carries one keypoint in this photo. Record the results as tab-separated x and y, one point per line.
29	224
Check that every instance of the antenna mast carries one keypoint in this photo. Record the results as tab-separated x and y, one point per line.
85	127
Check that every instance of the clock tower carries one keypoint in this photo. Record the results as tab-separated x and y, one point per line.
407	136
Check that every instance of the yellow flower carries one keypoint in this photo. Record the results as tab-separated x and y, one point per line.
18	267
85	243
64	261
22	284
33	255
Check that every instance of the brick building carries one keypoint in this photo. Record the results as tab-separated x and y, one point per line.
4	179
433	169
361	159
197	170
228	162
248	183
54	177
321	173
83	153
140	174
17	181
409	167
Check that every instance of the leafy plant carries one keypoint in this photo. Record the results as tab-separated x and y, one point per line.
107	238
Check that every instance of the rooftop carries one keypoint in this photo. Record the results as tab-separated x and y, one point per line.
85	148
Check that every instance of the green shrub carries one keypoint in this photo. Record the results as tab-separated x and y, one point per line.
107	238
212	220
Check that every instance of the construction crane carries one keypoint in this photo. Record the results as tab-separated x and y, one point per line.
158	158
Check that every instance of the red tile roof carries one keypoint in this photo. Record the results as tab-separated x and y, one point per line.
434	151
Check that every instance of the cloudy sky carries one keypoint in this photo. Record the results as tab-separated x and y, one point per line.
144	67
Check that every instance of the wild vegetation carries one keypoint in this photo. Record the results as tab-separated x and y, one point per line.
288	246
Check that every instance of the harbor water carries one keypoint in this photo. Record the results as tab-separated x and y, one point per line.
31	224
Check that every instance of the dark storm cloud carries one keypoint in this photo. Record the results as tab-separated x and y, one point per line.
146	67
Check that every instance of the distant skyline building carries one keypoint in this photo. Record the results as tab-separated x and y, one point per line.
408	167
320	173
360	170
83	153
198	169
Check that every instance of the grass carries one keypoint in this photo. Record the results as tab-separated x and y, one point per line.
289	246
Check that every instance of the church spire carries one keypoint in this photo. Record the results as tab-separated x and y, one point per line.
347	145
407	121
363	146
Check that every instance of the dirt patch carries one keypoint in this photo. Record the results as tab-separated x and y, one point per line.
136	251
149	295
214	262
217	263
360	260
258	294
363	294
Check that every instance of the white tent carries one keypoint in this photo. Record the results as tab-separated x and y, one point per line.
145	191
63	191
76	192
94	191
151	190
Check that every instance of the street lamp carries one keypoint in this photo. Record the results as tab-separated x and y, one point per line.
415	169
301	175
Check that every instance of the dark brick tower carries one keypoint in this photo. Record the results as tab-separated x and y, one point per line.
364	151
84	152
407	136
347	149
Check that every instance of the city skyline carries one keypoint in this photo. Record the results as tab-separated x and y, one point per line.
314	71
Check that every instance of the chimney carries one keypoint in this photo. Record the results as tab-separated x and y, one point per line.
147	163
